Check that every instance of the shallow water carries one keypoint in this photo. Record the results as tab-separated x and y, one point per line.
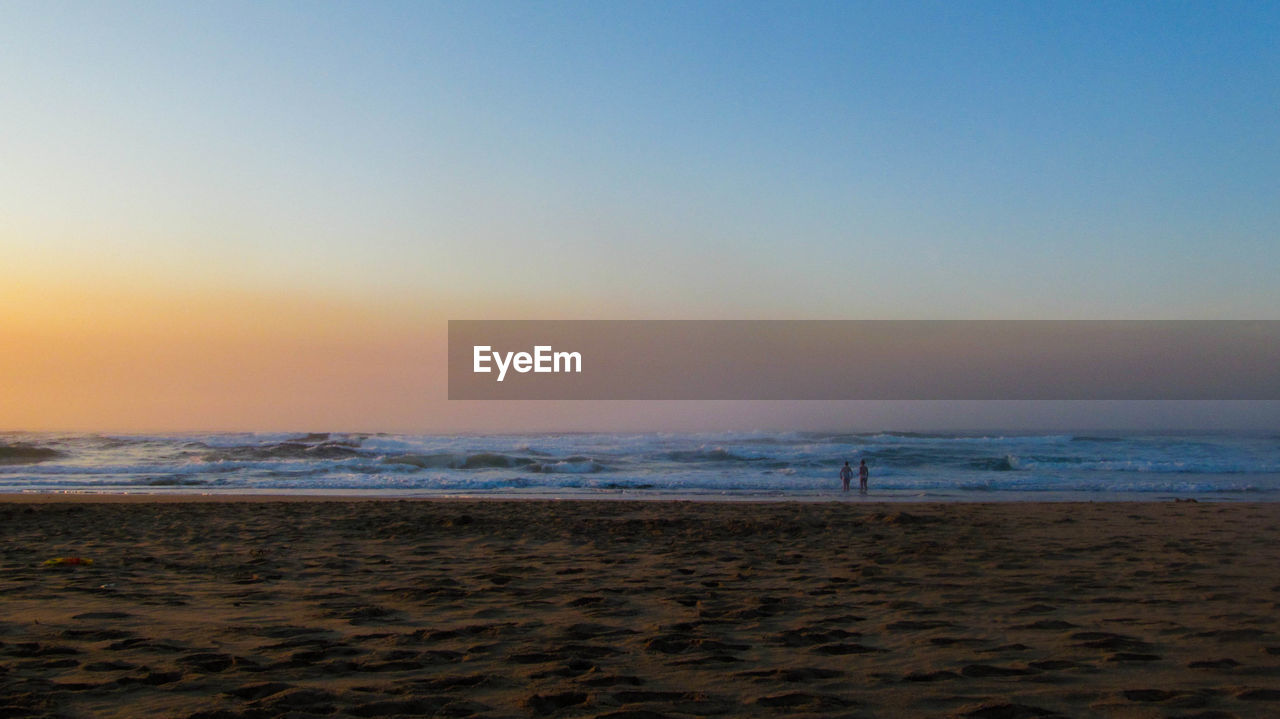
727	466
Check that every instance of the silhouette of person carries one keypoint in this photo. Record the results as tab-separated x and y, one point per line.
863	473
846	474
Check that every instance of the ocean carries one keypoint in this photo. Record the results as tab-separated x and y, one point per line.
905	466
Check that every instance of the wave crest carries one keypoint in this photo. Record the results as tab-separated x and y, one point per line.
23	453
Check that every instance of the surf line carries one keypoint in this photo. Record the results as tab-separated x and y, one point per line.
542	360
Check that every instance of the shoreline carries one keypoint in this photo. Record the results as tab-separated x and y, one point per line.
882	497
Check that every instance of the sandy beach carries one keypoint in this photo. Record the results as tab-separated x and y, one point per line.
221	609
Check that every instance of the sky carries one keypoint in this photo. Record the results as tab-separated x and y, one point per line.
225	215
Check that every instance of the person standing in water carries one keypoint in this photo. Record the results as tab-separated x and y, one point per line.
846	474
863	473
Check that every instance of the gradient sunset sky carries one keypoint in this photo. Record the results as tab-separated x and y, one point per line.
261	215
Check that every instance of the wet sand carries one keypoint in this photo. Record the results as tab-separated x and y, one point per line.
220	609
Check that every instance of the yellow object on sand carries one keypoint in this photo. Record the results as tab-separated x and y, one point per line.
67	560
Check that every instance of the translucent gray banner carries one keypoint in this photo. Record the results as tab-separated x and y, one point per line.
803	359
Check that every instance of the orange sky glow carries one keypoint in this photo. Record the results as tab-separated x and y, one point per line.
138	361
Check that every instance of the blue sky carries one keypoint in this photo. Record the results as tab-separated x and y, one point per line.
653	159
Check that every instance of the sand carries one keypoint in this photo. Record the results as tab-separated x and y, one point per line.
638	609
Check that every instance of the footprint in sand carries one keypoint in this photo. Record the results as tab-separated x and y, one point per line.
1133	657
844	649
800	701
258	691
150	678
1048	625
110	667
313	701
211	663
802	674
1007	711
975	671
1235	635
1053	665
708	659
1260	695
808	636
1109	641
934	676
103	615
613	680
96	635
917	626
1151	695
419	706
570	669
592	631
1224	663
549	703
25	650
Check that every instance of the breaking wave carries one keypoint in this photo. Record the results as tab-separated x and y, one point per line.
933	464
22	453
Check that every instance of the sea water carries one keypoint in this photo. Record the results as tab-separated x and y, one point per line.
727	466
